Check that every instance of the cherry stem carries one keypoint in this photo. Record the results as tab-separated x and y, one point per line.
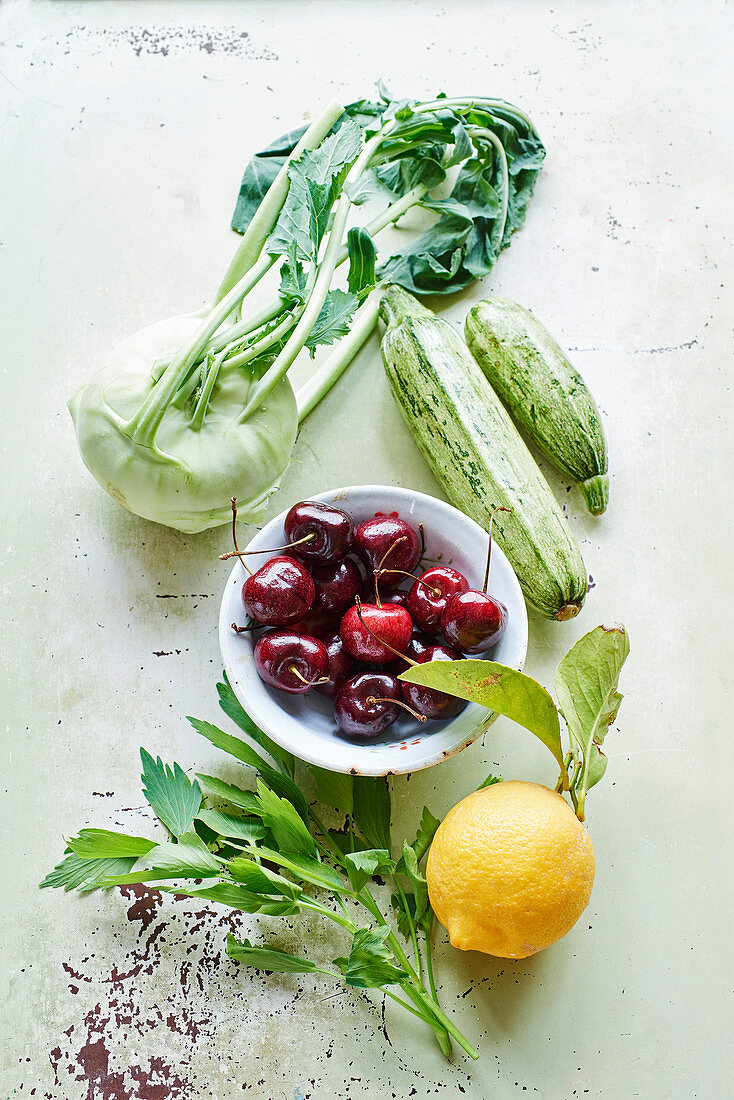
274	550
244	629
379	571
403	656
311	683
499	508
435	592
371	699
234	533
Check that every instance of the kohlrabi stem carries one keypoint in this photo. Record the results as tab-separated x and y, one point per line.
501	106
267	212
197	418
480	132
261	345
143	426
301	332
321	381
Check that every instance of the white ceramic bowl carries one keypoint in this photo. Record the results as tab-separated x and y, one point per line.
304	724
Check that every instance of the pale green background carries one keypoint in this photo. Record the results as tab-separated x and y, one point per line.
123	131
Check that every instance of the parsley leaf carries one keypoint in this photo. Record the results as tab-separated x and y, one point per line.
237	828
173	797
284	822
370	963
232	707
77	873
103	844
362	866
372	808
334	788
267	958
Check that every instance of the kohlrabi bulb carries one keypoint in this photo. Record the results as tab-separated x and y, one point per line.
187	478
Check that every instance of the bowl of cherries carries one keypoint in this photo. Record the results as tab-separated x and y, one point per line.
333	599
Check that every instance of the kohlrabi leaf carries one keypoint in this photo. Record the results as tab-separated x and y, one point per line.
370	963
267	958
372	809
334	788
173	797
586	684
333	321
265	165
315	180
362	253
499	688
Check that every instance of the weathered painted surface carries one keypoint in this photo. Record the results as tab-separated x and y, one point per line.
124	131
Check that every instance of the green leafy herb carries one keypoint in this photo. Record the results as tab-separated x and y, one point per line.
173	797
280	782
103	844
334	788
227	825
232	707
417	881
267	958
370	963
489	781
283	820
244	800
372	809
363	866
76	873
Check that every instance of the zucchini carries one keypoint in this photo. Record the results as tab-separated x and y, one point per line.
543	393
476	453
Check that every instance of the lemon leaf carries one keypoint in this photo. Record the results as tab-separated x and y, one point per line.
499	688
586	685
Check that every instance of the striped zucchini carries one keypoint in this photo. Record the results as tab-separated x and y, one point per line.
543	393
477	454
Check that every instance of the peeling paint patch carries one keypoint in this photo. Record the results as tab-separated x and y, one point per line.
167	41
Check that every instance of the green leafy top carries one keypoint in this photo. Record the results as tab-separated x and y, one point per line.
499	154
586	685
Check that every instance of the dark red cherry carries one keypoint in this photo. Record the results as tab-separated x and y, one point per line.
418	644
317	624
289	661
392	625
280	593
337	583
430	593
473	621
429	701
386	541
367	704
327	531
340	667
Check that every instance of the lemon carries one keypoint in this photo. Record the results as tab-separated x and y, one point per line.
510	870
